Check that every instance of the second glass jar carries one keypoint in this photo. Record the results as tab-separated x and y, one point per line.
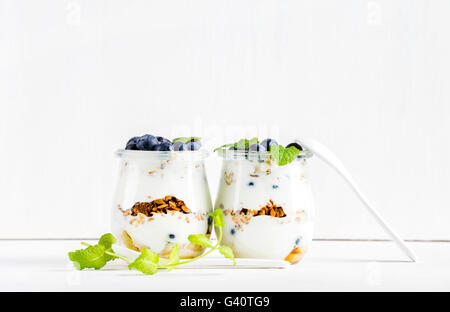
268	209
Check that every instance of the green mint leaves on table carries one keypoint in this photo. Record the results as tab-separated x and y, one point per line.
94	256
148	262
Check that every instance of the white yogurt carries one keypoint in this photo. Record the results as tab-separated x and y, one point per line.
147	176
251	185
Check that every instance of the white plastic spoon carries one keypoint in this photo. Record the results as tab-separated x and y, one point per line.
333	161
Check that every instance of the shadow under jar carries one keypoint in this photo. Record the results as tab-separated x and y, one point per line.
161	198
268	209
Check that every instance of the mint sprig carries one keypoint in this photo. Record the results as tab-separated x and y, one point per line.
186	139
283	156
148	262
94	256
174	258
279	154
241	144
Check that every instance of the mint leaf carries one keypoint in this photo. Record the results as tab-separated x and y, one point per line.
218	218
174	257
95	256
241	144
200	239
223	146
227	252
107	240
92	257
244	143
253	141
186	139
147	262
283	156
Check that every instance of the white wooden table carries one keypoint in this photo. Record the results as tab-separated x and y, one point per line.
42	265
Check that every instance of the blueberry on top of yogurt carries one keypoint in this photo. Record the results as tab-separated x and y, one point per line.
164	146
255	150
193	146
295	145
179	146
268	143
162	139
148	142
131	144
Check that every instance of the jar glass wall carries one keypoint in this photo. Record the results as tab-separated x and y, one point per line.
268	209
161	198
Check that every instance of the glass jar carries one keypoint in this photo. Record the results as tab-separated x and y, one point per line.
268	209
161	198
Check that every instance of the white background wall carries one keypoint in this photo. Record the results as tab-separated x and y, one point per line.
368	78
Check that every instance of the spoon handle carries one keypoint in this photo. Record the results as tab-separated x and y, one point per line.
333	161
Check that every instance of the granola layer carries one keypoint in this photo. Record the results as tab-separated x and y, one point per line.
160	205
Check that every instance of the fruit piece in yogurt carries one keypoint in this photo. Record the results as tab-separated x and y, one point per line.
295	255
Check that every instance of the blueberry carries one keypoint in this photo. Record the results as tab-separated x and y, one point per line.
295	145
165	146
267	143
251	184
233	231
133	140
274	186
146	142
179	146
256	148
162	139
131	144
193	146
171	236
297	241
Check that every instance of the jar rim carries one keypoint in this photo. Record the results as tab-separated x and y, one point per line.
255	155
163	155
